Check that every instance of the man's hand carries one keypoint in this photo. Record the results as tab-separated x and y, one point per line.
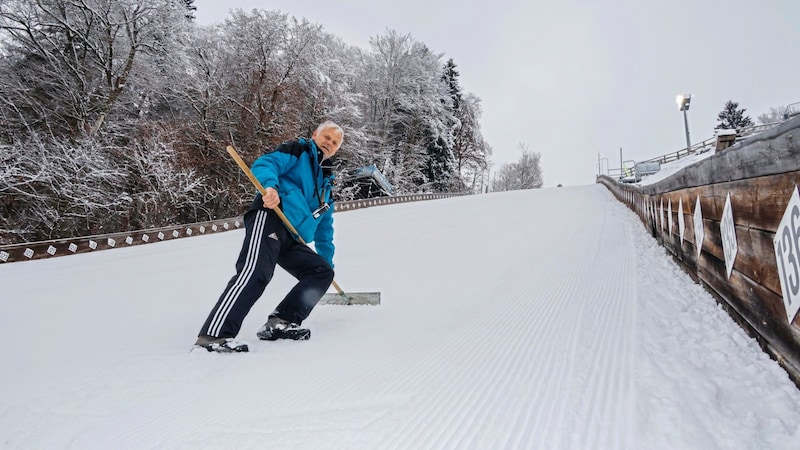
271	198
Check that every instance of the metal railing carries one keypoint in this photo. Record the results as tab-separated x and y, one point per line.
792	110
709	144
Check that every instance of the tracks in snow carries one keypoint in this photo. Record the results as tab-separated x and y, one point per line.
532	351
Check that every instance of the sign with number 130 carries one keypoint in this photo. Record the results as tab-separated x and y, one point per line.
787	251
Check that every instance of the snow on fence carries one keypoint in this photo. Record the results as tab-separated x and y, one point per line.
86	244
733	222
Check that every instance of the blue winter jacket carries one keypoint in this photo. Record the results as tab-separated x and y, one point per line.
293	168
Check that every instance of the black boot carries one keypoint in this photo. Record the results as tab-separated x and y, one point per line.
277	328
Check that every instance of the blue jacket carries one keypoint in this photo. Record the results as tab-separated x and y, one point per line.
293	168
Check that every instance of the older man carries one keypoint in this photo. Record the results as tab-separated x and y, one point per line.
296	175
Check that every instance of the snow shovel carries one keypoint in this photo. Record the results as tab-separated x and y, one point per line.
340	298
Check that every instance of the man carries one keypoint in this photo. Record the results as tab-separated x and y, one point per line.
297	175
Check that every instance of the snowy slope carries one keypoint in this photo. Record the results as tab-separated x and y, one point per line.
534	319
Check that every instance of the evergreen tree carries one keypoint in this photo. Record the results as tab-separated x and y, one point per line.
450	77
190	8
439	167
440	170
733	118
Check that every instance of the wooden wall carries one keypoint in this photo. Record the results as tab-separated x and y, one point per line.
760	174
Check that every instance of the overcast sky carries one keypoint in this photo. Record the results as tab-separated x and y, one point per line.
573	79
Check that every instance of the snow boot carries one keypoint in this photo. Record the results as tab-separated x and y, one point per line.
277	328
220	345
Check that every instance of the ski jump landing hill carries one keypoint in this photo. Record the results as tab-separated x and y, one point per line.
733	223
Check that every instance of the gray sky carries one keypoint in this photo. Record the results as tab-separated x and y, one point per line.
573	79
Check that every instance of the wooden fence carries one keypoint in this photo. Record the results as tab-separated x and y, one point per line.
720	218
85	244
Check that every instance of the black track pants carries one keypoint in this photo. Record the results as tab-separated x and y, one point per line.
267	243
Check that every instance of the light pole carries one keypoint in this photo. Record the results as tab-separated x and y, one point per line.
683	105
600	165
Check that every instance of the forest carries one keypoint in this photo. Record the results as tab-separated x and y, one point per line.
115	114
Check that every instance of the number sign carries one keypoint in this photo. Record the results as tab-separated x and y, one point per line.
787	252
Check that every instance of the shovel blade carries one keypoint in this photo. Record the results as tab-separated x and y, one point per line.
351	298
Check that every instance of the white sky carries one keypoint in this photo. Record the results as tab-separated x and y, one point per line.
576	78
575	332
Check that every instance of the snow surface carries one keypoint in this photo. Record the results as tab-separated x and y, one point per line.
674	167
545	319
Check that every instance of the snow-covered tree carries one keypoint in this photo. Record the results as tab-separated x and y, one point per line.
124	108
471	152
450	76
775	114
70	62
54	190
526	173
405	107
190	8
441	168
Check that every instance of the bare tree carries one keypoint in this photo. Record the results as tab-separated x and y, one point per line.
70	61
526	173
55	190
774	115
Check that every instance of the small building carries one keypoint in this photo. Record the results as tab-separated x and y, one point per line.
725	138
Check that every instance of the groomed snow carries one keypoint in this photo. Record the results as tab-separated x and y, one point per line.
544	319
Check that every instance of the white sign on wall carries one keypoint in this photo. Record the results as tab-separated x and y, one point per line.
653	209
787	252
651	205
699	230
728	230
681	220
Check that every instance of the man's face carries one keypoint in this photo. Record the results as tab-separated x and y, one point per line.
328	140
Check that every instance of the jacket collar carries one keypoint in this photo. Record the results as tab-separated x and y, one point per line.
316	156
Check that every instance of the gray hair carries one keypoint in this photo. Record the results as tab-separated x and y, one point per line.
329	124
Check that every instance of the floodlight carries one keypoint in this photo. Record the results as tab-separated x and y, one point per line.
683	105
683	101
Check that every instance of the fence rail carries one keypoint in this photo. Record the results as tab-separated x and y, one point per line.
87	244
